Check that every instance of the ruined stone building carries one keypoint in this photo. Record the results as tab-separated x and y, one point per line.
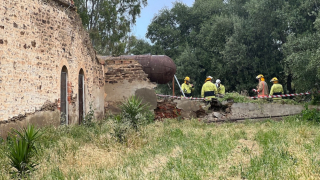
50	73
47	64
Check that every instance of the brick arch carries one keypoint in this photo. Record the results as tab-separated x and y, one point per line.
81	66
63	62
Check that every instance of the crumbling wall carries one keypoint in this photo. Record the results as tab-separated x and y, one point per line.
37	39
122	79
255	110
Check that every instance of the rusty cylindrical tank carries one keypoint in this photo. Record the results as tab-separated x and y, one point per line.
160	68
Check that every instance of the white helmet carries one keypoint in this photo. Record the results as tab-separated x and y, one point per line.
209	77
218	81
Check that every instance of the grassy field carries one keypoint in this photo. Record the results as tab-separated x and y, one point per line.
187	149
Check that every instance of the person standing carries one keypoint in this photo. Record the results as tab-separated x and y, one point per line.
276	89
209	90
262	87
187	88
221	89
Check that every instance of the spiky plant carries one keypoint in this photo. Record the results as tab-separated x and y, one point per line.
22	150
132	108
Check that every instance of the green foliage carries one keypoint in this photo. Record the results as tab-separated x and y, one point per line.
310	114
133	115
89	117
22	150
135	112
236	40
236	97
109	23
120	128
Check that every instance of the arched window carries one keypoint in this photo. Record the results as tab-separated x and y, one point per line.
64	95
81	95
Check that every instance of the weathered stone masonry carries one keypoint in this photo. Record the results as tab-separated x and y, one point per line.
123	78
37	39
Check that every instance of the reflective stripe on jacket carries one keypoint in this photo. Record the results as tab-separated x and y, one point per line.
208	90
263	89
276	89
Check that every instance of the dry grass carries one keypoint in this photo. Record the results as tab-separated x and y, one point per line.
182	150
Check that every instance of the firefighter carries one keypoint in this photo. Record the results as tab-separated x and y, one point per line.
276	89
220	87
262	87
186	87
209	90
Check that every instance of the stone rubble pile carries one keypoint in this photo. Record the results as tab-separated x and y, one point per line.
167	109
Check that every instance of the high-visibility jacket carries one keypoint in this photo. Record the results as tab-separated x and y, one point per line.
262	89
276	89
187	89
209	90
221	89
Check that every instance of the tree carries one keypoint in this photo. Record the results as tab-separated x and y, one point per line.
109	22
169	29
302	57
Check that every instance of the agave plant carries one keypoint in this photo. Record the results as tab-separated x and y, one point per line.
22	149
132	108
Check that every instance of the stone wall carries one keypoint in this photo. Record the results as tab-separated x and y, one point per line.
37	39
124	78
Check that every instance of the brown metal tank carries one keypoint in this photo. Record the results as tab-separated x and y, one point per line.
160	68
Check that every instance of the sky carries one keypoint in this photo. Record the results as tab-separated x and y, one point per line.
148	12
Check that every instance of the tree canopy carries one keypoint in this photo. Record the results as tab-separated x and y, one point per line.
235	40
109	22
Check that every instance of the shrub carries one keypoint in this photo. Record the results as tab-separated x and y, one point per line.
22	149
135	112
310	114
89	117
236	97
120	127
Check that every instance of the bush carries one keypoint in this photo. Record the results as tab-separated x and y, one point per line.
22	149
236	97
135	112
120	128
310	114
89	117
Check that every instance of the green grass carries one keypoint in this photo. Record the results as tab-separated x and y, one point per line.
189	149
244	99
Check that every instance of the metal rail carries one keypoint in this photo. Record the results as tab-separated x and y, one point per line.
179	85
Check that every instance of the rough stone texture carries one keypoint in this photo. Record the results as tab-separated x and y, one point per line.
38	38
148	96
120	70
254	110
39	119
122	79
188	108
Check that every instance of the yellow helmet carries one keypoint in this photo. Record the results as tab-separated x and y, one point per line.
259	76
274	79
187	79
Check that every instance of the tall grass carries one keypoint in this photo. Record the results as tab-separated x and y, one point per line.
174	149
